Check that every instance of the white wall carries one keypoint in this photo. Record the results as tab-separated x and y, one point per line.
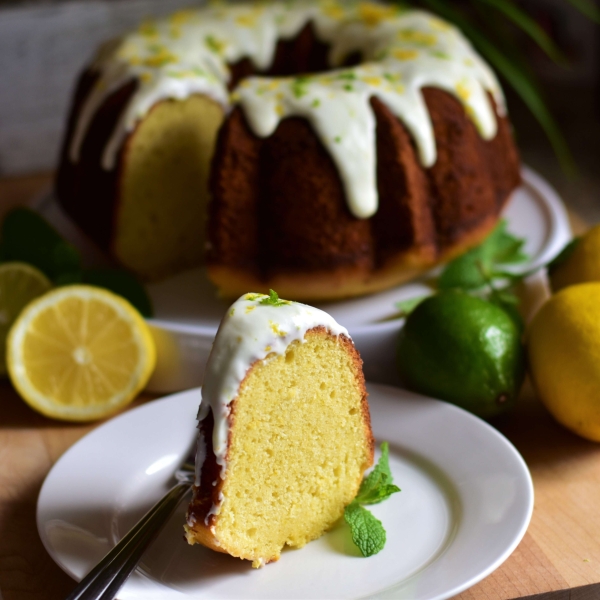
42	49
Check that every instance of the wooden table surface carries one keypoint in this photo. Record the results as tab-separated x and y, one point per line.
558	559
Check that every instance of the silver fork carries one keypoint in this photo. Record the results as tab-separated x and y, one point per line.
107	577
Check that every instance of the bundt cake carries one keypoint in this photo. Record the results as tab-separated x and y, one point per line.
323	148
284	430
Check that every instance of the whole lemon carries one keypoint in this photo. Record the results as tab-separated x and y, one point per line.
463	350
563	345
579	262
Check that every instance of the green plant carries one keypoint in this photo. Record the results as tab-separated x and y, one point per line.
486	24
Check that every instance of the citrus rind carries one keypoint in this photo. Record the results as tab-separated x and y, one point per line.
53	405
20	283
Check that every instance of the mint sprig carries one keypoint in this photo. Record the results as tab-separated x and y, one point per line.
367	531
273	300
486	271
377	485
490	260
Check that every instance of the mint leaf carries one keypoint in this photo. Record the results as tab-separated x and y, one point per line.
508	301
273	300
463	273
489	260
367	531
377	485
378	494
508	251
384	460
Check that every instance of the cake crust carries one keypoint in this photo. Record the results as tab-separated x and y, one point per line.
345	283
425	217
282	211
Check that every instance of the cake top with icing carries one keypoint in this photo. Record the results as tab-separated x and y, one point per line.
255	327
402	52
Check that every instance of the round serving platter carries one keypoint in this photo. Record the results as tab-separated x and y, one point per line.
188	311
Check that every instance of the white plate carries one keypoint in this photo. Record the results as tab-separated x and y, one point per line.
188	310
465	504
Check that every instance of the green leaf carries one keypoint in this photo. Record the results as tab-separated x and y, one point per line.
503	247
480	270
382	491
529	26
122	283
273	300
377	485
474	269
588	8
500	32
515	76
508	301
463	273
383	464
27	237
367	531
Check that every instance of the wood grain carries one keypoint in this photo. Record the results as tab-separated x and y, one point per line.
561	549
558	559
29	445
17	191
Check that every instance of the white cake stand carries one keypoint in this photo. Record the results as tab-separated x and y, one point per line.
188	311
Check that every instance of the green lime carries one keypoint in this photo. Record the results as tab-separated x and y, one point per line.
19	285
464	350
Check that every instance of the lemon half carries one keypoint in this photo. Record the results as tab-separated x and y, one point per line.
79	353
20	283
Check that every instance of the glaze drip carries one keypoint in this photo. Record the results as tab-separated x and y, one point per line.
253	329
402	51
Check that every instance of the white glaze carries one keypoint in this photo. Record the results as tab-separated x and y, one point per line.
403	51
250	331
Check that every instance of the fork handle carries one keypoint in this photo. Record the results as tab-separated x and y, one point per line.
107	577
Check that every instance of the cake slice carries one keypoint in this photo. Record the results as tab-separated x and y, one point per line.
284	430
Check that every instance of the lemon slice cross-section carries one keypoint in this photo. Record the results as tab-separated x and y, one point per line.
20	283
79	353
